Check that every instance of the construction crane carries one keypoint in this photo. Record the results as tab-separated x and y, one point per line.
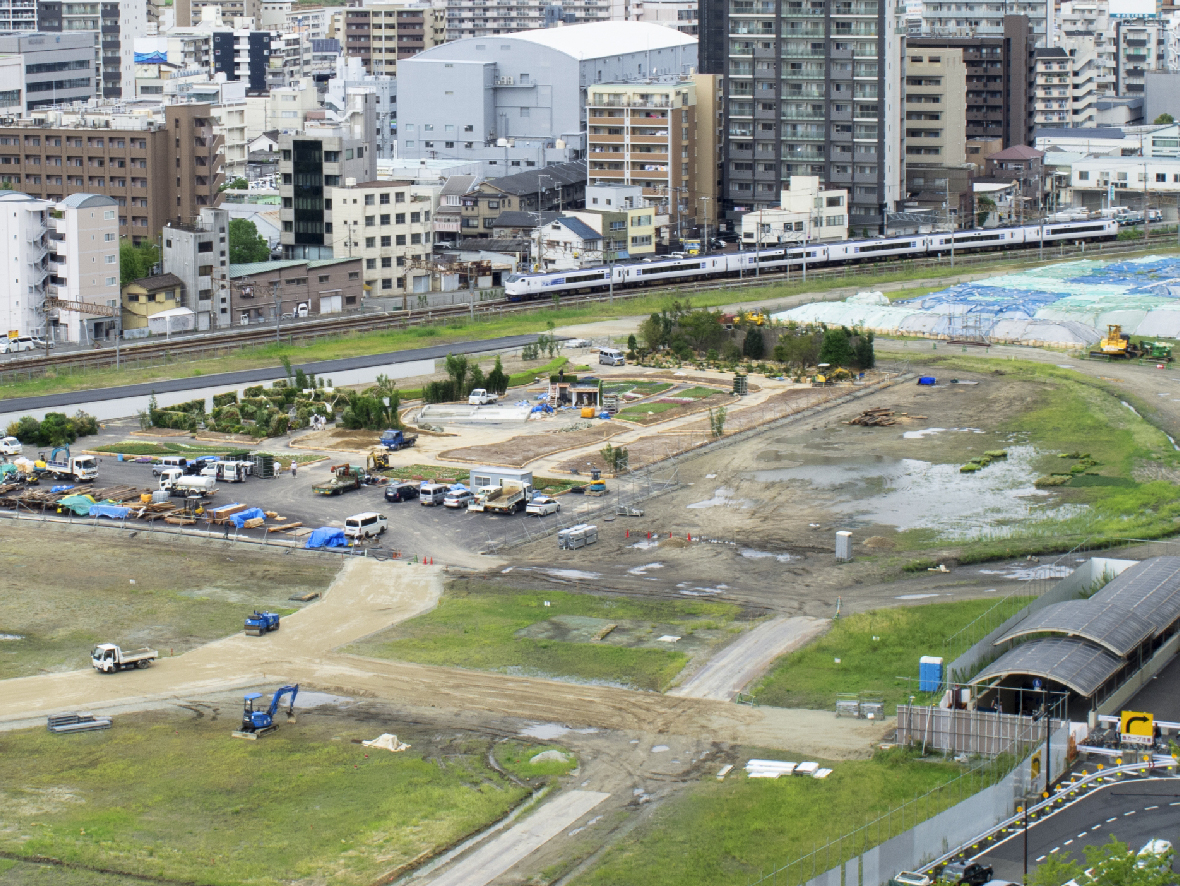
259	723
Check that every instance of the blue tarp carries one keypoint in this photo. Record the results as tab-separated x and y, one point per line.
239	519
65	488
926	380
118	512
326	537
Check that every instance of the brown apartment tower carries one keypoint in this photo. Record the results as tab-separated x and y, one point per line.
156	173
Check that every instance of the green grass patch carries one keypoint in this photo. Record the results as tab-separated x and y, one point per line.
302	804
699	392
130	592
811	676
640	409
478	625
719	833
518	758
137	449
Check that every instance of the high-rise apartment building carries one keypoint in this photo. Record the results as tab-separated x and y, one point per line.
24	227
246	55
1067	84
381	33
983	18
50	69
812	87
197	252
155	167
188	12
308	165
18	15
1141	45
997	73
484	18
116	23
935	114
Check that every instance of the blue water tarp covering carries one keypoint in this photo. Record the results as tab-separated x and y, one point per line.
326	537
118	512
239	519
926	380
65	488
543	407
458	487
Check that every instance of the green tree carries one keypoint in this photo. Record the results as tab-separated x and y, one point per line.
235	184
717	421
836	349
457	372
135	261
632	343
246	245
1164	119
866	356
754	346
651	331
986	207
497	380
1112	864
701	329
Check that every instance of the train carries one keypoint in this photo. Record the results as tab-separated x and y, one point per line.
650	271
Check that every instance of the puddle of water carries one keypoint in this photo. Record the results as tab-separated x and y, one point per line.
660	748
314	699
925	432
751	554
590	730
11	637
545	731
647	544
723	497
1064	366
642	570
573	573
1029	573
914	494
916	596
1129	406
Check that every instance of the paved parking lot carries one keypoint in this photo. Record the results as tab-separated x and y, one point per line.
449	536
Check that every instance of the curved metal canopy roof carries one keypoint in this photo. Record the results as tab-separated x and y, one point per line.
1107	623
1078	664
1150	589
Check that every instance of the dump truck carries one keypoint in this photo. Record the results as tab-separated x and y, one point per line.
108	658
344	479
259	623
1116	345
64	466
395	439
512	497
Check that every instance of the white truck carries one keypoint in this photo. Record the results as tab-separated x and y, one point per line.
64	466
480	397
508	498
10	446
108	658
178	483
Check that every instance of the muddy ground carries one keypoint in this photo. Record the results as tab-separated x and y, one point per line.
766	508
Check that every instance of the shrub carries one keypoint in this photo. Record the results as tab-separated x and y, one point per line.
227	399
730	352
278	426
253	391
302	417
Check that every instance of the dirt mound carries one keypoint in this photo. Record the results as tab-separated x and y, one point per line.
880	542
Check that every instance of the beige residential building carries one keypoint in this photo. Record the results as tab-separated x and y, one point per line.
807	214
381	33
1068	81
388	225
285	109
650	135
936	112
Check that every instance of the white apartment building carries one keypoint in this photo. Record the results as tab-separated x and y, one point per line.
351	80
985	18
290	59
83	236
18	15
118	24
806	213
1068	81
285	109
1141	45
387	224
1137	182
683	15
24	226
484	18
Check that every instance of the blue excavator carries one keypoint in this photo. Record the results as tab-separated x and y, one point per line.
258	723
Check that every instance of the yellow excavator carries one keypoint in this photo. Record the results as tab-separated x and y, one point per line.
1116	345
378	460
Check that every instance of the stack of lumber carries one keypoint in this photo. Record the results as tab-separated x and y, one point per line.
124	494
223	513
286	527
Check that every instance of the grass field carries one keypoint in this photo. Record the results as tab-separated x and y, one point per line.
491	327
304	804
811	677
724	833
479	626
60	606
137	448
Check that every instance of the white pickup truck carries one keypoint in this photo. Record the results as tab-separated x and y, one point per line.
480	397
108	658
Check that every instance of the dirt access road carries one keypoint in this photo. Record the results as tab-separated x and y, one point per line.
369	596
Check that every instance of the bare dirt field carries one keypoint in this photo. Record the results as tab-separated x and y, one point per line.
519	451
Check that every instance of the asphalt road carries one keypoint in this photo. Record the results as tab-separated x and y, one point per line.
255	376
1135	811
447	535
1160	697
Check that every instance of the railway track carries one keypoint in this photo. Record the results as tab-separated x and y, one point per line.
212	345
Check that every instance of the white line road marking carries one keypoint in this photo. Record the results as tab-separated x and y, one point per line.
1149	808
1054	849
1067	842
1039	860
1125	814
1109	820
1096	827
1083	833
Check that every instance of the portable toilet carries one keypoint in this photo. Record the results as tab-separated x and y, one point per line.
929	673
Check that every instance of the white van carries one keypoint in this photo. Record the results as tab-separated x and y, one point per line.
10	446
168	461
368	525
611	357
432	493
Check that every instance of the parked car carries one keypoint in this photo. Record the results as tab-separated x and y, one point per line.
169	461
909	878
25	343
576	343
10	446
1159	848
458	498
401	492
966	873
542	505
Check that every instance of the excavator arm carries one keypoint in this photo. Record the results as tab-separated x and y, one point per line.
274	702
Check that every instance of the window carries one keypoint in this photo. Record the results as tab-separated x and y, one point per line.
109	214
368	199
385	199
354	275
415	239
386	262
370	221
399	197
111	259
111	281
401	218
1084	175
323	278
386	240
387	283
109	237
385	219
1161	176
370	242
401	238
524	112
370	264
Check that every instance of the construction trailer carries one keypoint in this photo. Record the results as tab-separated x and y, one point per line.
496	476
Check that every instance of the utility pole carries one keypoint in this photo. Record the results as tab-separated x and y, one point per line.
274	294
1146	205
610	270
758	248
950	224
705	238
540	233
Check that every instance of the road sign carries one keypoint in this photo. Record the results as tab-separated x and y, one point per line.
692	247
1136	727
